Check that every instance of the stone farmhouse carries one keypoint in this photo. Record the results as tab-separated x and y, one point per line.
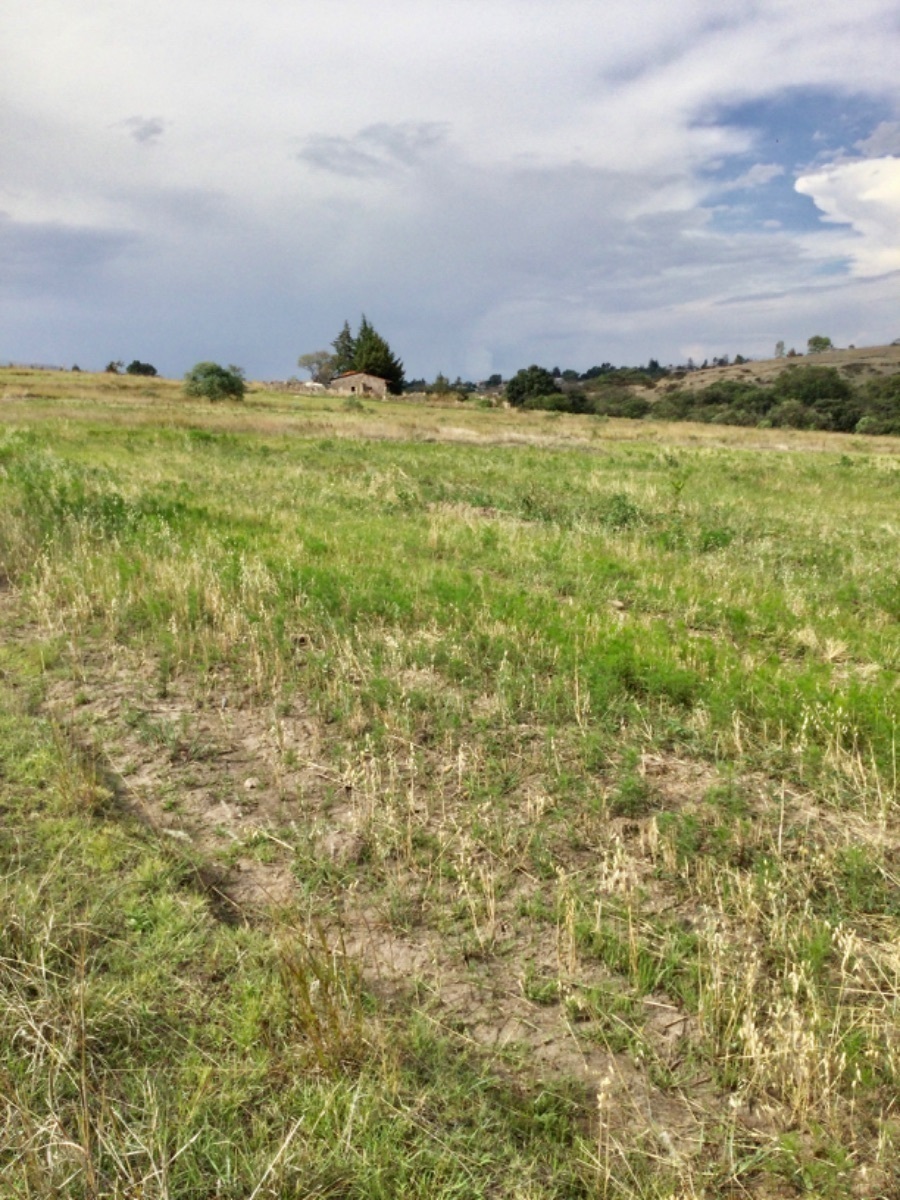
358	383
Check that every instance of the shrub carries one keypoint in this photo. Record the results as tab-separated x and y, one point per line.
620	512
136	367
873	424
212	382
739	394
791	414
677	405
811	384
557	402
823	391
620	402
530	381
880	400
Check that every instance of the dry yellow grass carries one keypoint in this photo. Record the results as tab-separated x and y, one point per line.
867	362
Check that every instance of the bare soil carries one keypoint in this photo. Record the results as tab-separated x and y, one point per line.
205	768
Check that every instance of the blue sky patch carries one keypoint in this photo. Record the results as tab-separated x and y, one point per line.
796	131
801	127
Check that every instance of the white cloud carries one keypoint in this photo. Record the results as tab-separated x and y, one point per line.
757	176
864	195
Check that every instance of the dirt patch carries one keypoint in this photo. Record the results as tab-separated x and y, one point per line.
251	789
204	769
485	1003
678	782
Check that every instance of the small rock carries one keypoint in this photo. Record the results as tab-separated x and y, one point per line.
251	784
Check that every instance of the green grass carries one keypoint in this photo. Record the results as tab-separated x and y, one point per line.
526	725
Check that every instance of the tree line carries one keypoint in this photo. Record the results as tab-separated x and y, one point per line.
808	396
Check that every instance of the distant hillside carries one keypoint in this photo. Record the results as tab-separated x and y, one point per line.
856	365
842	391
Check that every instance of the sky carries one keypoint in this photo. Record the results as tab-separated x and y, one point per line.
493	183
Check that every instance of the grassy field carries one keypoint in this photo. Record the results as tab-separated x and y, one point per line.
431	801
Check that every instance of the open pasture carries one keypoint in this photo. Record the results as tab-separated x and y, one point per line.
435	801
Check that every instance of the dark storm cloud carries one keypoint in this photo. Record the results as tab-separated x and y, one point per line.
47	255
377	150
171	207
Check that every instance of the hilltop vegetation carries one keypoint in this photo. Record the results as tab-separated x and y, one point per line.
439	802
801	397
786	393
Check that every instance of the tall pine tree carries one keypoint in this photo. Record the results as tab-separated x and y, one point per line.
344	351
375	357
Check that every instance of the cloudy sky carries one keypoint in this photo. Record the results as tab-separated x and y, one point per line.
493	182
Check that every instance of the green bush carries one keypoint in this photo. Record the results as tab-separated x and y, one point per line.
823	391
792	414
555	402
880	401
212	382
677	405
530	381
612	401
875	426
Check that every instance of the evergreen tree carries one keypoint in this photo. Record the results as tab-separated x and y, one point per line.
375	357
344	351
368	352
